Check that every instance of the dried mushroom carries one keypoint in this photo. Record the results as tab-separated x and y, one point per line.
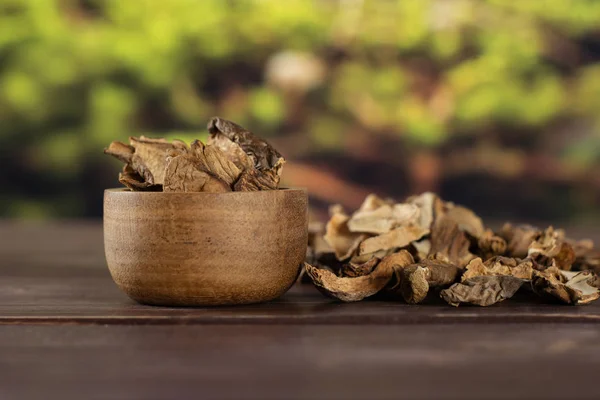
421	249
379	220
234	159
413	284
233	150
429	205
566	286
415	280
185	173
266	161
398	260
466	220
214	161
551	249
120	151
262	154
491	245
498	267
352	270
373	202
440	273
150	158
519	238
134	181
384	218
436	244
396	238
145	161
350	289
254	180
343	242
367	256
482	290
449	242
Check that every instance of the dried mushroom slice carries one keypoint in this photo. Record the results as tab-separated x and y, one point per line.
150	158
551	249
430	207
396	238
379	220
406	214
448	241
262	154
145	160
132	180
343	242
466	220
565	257
372	202
383	218
416	279
595	281
546	242
350	289
482	290
582	286
205	168
550	283
397	260
233	151
358	259
440	273
508	261
259	163
215	162
352	270
566	286
254	180
121	151
519	238
521	270
422	249
185	173
414	286
491	245
524	268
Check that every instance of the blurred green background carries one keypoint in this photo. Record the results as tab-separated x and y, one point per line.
493	103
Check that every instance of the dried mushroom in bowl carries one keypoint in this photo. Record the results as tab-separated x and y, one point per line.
233	159
424	245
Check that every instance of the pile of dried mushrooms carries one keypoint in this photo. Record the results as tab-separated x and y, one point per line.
233	159
426	245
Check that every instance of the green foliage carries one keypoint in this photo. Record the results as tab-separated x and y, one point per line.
76	74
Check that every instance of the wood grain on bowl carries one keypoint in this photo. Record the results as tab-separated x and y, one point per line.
193	249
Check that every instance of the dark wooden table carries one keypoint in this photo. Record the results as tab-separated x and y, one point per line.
67	332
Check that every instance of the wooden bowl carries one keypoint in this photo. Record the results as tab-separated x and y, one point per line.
197	249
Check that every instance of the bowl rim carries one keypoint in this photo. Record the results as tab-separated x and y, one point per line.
129	192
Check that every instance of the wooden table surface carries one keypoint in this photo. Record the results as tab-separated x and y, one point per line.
67	332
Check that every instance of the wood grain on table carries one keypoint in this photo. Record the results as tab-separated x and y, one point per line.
67	332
